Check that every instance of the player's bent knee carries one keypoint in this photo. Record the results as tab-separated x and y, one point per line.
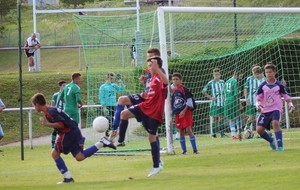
126	114
123	100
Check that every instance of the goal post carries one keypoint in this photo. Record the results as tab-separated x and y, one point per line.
203	38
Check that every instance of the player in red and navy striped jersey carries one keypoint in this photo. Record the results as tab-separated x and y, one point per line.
149	112
182	106
69	136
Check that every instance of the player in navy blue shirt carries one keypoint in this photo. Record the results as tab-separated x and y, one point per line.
69	136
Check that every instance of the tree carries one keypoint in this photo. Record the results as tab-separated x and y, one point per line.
6	6
75	3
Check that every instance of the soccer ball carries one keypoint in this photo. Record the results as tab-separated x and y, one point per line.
248	134
100	124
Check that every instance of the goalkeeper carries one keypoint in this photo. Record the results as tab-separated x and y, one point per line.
269	105
32	44
108	94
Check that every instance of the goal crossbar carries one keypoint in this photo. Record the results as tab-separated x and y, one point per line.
230	9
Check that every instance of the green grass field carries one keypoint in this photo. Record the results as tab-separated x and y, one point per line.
222	164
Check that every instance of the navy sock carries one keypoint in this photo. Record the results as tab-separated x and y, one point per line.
155	154
278	135
90	151
117	117
158	144
193	143
60	164
267	137
182	143
122	130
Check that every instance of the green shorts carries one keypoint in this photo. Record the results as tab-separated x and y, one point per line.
250	110
216	111
231	109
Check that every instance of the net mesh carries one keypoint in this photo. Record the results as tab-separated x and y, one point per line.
196	43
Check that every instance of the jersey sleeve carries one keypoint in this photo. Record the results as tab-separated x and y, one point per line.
206	88
77	94
246	85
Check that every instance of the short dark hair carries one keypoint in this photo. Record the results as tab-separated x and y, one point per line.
60	83
159	60
270	65
75	75
38	98
177	74
155	51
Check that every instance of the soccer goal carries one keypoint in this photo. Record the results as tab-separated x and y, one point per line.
196	40
193	41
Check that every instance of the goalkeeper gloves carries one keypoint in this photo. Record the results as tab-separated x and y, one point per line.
291	107
259	108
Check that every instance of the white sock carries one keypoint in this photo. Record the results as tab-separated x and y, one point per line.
67	175
99	145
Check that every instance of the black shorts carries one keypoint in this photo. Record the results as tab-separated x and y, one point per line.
29	54
151	125
265	119
136	99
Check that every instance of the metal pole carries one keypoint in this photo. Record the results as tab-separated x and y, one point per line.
34	15
20	79
235	28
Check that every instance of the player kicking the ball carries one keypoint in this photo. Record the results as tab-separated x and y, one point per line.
69	136
149	112
269	104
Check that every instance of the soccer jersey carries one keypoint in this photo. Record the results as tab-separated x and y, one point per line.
56	99
230	89
153	106
54	115
108	93
179	98
269	96
215	88
71	97
31	43
251	86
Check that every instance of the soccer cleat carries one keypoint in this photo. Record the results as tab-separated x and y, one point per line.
280	149
272	145
154	171
214	136
66	180
234	138
107	143
121	144
196	152
184	152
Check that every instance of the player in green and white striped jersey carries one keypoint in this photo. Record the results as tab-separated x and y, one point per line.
250	92
213	90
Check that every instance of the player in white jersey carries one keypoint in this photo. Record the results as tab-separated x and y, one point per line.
250	91
31	45
213	90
